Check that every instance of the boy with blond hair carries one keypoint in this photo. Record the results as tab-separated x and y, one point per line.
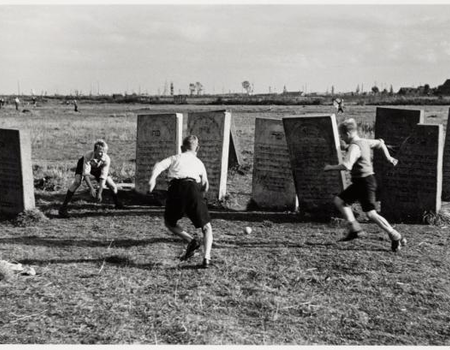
363	187
96	163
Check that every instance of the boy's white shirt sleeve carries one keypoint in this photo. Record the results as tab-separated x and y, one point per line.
161	166
353	153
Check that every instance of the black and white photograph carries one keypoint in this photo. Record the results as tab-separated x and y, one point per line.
224	173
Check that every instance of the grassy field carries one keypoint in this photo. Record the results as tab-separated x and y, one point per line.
108	276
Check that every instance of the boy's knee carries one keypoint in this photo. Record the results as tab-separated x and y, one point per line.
339	202
207	228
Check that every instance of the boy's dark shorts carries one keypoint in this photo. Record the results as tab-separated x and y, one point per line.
79	171
184	197
363	190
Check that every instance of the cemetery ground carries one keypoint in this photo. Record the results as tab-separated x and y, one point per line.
109	276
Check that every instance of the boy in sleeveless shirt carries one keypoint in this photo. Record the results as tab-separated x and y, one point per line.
363	187
187	182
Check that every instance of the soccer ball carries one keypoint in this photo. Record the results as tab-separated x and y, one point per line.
248	230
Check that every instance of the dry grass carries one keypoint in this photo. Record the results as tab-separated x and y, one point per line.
113	277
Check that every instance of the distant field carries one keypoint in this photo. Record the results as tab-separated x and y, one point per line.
107	276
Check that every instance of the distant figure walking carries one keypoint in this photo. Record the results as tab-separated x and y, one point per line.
2	102
16	103
339	104
75	105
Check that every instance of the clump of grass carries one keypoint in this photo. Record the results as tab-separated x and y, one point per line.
29	218
435	219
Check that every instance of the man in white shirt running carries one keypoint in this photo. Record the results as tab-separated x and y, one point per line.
187	182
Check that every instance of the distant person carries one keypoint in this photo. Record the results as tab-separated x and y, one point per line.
96	163
33	100
363	187
2	102
339	104
75	105
17	103
187	182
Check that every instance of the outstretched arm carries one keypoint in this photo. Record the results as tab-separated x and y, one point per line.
158	169
381	145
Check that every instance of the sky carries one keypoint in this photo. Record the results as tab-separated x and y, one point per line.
143	48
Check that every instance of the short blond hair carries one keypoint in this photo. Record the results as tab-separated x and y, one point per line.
348	125
190	142
101	143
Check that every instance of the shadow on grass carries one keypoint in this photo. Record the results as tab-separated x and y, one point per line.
120	243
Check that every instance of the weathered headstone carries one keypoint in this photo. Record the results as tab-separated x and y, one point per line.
414	186
446	164
235	154
393	125
158	137
272	184
16	174
213	130
313	141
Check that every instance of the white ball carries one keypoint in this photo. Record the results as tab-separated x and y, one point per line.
248	230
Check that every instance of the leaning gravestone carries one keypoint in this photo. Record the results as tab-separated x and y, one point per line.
393	125
235	154
272	184
446	164
16	174
158	137
213	130
313	142
414	186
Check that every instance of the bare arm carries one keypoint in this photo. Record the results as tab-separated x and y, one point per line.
158	169
381	145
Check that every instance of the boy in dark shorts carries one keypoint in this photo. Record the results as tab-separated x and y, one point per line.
94	163
187	182
358	162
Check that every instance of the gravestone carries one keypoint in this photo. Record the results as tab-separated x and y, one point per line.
213	131
393	125
158	137
235	154
272	184
414	186
16	174
313	142
446	164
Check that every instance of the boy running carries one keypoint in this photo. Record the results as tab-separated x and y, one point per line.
363	187
187	182
94	163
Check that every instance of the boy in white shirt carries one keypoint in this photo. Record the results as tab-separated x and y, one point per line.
187	182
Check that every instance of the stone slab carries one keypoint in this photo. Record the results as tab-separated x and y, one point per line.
446	164
213	130
414	186
272	183
393	125
158	136
16	174
313	141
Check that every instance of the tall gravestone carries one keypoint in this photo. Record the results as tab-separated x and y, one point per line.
235	154
393	125
446	164
213	130
158	137
313	141
272	184
16	174
414	186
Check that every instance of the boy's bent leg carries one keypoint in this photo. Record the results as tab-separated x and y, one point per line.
396	238
193	244
70	192
207	242
354	229
114	193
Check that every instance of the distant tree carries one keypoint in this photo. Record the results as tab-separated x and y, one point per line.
332	90
284	89
357	91
171	88
384	92
426	89
199	87
391	90
375	89
192	88
247	87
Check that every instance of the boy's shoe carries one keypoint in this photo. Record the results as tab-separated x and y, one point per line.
190	250
398	244
206	264
63	213
354	231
